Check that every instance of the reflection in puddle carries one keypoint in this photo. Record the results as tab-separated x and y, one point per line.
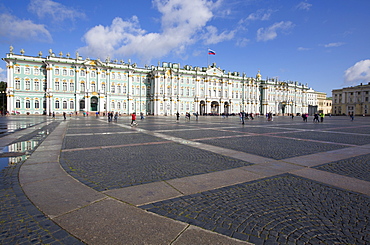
20	151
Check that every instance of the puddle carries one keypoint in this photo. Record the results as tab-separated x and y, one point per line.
20	151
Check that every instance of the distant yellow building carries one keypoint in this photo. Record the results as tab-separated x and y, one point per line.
324	103
351	100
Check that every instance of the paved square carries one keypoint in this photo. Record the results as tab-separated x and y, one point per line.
282	209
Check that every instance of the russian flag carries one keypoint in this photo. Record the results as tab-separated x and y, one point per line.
211	52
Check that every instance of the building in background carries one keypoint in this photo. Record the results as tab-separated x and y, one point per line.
57	83
351	100
324	103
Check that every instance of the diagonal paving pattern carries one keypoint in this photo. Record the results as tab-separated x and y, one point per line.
214	181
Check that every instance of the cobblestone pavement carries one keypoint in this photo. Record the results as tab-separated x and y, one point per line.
356	167
281	209
21	222
276	182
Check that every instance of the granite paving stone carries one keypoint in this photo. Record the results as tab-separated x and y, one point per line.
272	147
133	165
281	208
330	137
84	141
356	167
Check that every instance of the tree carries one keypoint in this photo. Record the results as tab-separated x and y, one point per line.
3	86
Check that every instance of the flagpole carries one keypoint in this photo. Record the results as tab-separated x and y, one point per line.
207	58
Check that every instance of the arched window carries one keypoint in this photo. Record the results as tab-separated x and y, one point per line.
28	104
71	105
124	89
28	85
71	86
82	73
27	71
17	84
112	89
124	105
71	72
57	72
82	86
18	104
118	105
103	87
64	72
93	74
37	104
112	105
64	104
64	86
56	86
57	104
36	84
93	87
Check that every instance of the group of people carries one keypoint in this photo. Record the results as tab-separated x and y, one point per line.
112	116
316	117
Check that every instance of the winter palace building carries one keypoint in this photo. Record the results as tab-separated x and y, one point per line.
57	83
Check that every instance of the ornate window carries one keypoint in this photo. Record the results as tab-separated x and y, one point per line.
82	73
18	104
17	84
56	86
36	71
28	85
93	87
71	105
93	74
112	89
103	87
71	86
36	84
57	104
64	72
71	72
37	104
27	71
82	86
124	89
56	72
28	104
17	70
65	86
64	104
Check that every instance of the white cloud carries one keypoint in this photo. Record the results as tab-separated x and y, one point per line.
333	45
12	28
57	11
242	42
261	14
212	37
2	75
360	72
304	6
303	49
270	33
183	23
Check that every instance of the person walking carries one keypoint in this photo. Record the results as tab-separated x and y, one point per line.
64	115
116	117
322	115
177	116
133	119
242	116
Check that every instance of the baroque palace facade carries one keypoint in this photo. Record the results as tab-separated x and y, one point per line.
43	85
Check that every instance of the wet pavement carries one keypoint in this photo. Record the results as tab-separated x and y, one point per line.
212	181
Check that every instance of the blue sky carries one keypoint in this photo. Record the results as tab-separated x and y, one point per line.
324	43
